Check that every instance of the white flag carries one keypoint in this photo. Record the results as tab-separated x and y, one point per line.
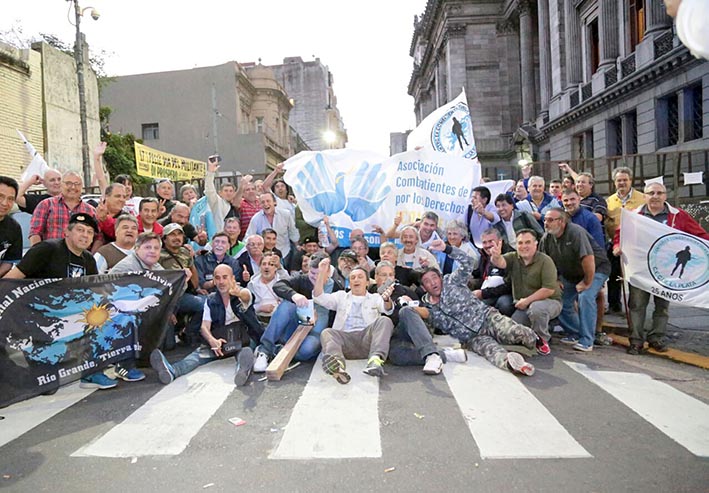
449	129
38	166
664	261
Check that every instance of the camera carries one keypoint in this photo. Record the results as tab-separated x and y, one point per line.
216	158
402	302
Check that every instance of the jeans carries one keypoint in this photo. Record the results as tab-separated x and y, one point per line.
639	300
504	304
583	324
412	341
200	356
192	305
283	323
537	316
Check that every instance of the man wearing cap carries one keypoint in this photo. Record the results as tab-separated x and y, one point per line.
308	246
67	257
175	256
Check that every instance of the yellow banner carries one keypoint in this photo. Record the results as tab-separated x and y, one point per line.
157	164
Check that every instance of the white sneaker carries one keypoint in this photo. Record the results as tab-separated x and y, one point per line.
434	364
455	355
261	362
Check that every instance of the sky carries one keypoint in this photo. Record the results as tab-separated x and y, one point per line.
365	44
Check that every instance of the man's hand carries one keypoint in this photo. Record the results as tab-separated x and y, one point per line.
495	249
423	261
437	245
101	211
377	229
234	288
267	308
582	286
212	166
100	149
398	218
617	251
188	273
201	238
34	180
299	300
216	346
246	179
324	266
386	295
564	167
161	207
245	275
478	293
522	304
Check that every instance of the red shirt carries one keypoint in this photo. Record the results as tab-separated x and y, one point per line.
246	212
51	217
157	227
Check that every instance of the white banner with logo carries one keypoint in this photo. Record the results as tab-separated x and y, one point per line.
448	129
360	189
664	261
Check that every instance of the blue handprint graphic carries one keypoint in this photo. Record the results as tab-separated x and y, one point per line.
317	187
367	191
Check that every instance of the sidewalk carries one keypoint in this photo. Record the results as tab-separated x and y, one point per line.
687	333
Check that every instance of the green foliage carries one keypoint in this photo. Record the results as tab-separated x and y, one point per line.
120	153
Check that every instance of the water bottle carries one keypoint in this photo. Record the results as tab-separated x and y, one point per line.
323	236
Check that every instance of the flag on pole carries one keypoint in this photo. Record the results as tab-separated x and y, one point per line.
664	261
38	166
449	129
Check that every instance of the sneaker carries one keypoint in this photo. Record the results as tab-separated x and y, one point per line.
128	374
433	365
261	362
569	340
375	367
542	347
659	346
634	349
602	339
516	364
97	381
582	347
165	371
244	364
455	355
332	365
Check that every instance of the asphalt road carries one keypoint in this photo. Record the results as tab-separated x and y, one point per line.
420	425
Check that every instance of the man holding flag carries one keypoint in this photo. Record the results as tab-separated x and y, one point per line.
643	267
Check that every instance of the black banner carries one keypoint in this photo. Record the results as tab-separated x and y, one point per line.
53	331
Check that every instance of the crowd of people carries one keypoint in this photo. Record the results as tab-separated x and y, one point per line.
512	270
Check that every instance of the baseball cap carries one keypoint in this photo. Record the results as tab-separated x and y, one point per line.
309	239
83	218
171	228
349	254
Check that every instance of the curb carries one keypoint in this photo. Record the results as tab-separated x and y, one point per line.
671	354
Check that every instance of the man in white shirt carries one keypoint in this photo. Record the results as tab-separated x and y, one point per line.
282	222
261	286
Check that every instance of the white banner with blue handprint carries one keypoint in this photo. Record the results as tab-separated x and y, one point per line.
360	189
448	129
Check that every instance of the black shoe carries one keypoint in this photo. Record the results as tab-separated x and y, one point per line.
634	349
659	346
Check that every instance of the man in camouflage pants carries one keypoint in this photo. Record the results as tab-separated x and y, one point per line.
454	310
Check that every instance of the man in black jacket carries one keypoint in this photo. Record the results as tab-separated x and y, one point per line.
490	285
297	292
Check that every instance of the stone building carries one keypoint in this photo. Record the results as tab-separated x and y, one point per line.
595	82
315	115
39	96
238	111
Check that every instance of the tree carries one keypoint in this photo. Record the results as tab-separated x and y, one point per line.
120	152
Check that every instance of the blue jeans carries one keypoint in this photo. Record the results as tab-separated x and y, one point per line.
411	341
192	305
200	356
583	324
504	304
283	323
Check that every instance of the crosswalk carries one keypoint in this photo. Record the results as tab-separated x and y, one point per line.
505	416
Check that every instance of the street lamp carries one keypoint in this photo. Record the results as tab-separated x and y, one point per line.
79	57
329	137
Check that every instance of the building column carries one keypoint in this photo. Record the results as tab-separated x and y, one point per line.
544	56
455	59
526	49
572	36
656	18
608	17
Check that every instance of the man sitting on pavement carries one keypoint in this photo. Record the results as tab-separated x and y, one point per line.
535	288
208	262
295	292
226	311
359	330
107	256
411	343
454	310
583	268
261	286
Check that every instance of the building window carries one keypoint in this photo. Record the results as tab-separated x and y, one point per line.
614	137
259	125
151	131
594	51
630	132
667	121
583	145
694	113
636	18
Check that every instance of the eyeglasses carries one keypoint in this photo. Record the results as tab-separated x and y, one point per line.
72	184
652	194
551	219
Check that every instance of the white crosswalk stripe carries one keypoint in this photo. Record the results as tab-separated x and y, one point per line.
505	419
167	422
679	416
332	421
